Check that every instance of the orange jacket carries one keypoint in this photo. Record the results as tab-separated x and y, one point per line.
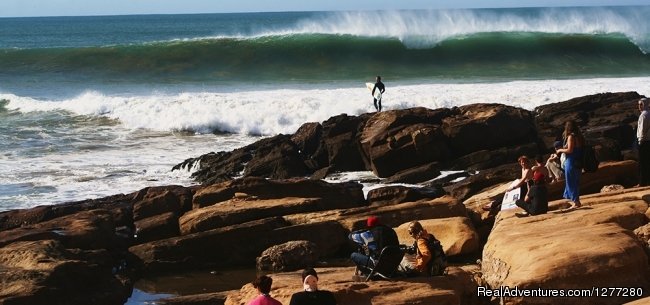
423	255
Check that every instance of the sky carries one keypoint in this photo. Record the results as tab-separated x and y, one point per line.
30	8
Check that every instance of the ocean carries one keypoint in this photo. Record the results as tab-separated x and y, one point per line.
95	106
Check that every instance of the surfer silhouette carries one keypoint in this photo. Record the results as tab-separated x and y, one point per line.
377	96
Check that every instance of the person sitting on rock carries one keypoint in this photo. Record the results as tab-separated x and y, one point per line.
311	295
554	164
536	200
371	241
263	284
522	183
430	259
539	166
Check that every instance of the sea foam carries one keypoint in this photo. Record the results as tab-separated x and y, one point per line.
274	111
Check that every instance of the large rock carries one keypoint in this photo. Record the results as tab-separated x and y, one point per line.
93	229
237	245
416	174
334	193
339	146
395	194
397	140
156	227
456	234
275	157
44	272
391	215
487	159
458	287
484	181
307	138
488	126
119	205
609	115
238	210
292	255
152	201
585	248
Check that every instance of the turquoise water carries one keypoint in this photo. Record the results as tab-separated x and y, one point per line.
489	44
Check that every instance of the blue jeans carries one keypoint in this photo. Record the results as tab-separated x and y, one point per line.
363	262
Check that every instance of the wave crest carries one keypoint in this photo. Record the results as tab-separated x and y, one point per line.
425	29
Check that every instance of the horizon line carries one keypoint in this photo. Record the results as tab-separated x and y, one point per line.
317	11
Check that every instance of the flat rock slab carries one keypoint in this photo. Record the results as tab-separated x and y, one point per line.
456	234
238	210
458	287
589	247
390	215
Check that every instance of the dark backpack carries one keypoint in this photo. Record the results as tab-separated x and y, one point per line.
438	262
589	160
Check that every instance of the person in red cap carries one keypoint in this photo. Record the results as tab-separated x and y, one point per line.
536	200
371	241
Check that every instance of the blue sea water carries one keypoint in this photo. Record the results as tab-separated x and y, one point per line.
93	106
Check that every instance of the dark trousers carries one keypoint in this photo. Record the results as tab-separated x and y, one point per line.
644	163
378	107
531	207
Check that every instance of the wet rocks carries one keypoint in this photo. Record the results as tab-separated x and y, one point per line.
292	255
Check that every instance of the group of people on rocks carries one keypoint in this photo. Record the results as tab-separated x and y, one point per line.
429	260
566	164
562	165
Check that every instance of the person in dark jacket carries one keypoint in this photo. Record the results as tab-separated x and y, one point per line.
372	240
536	200
311	295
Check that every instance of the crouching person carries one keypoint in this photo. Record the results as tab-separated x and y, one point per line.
430	259
371	241
536	200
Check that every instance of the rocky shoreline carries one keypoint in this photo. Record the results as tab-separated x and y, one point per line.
266	204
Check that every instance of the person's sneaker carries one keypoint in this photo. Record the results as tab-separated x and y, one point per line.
522	214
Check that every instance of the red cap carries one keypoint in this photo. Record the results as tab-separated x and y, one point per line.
372	221
538	176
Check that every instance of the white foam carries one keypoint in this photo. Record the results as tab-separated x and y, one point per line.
274	111
132	162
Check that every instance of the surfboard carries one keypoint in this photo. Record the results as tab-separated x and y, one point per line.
511	197
377	92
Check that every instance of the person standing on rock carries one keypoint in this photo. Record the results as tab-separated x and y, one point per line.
643	138
263	284
311	294
573	147
554	164
378	86
372	239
